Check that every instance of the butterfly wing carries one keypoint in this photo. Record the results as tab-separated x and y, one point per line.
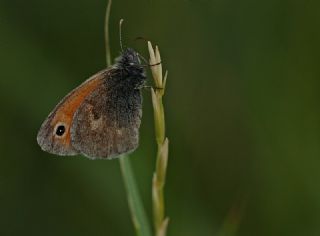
107	122
60	119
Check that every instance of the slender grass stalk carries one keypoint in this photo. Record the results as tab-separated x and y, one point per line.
106	33
138	215
159	177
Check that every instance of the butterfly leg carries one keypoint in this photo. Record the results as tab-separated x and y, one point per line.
148	87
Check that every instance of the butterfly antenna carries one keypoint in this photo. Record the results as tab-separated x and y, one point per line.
145	60
120	34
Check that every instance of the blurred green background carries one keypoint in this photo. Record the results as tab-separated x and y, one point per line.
242	109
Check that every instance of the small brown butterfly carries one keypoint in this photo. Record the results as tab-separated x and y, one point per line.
101	117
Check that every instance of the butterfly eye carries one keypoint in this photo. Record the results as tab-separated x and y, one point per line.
61	129
130	57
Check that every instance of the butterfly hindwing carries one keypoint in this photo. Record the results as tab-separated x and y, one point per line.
107	122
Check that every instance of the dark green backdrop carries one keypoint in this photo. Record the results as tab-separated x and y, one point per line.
242	109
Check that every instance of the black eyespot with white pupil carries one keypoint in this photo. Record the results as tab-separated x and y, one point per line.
60	130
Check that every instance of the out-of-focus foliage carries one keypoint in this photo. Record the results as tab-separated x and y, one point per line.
242	108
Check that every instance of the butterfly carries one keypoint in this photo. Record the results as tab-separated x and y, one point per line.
100	118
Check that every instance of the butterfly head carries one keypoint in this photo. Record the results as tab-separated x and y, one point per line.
130	62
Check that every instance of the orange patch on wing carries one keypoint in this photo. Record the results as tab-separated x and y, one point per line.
73	100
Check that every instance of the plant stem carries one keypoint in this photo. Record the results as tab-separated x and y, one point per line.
159	177
138	215
106	33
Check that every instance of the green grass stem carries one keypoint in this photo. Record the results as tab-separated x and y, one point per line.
138	215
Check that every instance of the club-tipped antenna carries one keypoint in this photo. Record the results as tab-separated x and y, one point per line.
120	34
